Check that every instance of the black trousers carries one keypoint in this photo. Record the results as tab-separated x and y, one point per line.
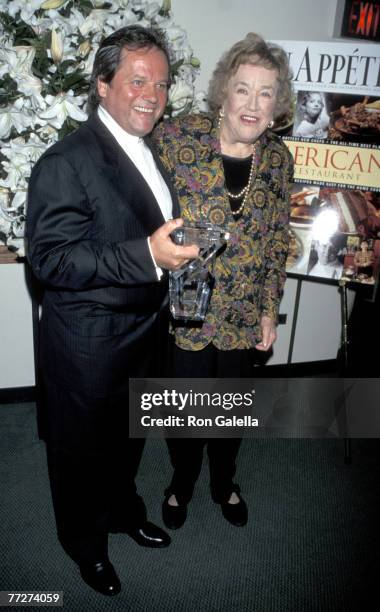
91	460
92	467
186	455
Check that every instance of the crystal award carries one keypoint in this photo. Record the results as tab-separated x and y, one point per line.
190	287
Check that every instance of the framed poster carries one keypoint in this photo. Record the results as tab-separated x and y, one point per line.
334	136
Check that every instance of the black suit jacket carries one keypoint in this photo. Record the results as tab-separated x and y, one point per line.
89	214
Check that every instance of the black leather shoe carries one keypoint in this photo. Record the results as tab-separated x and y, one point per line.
236	514
101	577
148	535
173	516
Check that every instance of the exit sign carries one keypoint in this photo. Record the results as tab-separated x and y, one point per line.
361	20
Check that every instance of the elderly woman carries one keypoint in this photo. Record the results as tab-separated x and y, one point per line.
230	169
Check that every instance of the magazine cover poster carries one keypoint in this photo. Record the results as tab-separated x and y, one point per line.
334	137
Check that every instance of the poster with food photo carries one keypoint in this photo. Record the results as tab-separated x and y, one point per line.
336	117
354	118
334	137
334	233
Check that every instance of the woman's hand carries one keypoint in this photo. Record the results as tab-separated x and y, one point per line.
268	332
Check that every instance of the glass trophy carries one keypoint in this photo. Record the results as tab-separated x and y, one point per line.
190	287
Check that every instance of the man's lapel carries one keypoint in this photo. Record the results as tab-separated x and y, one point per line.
119	171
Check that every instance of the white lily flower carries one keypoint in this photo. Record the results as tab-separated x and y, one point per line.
31	87
113	22
176	35
164	22
183	52
56	47
19	199
47	134
115	5
27	8
13	116
62	106
180	96
17	169
42	25
94	22
200	103
128	17
18	243
31	150
16	60
151	10
186	73
5	225
4	197
52	4
178	44
84	48
166	6
86	66
62	49
69	27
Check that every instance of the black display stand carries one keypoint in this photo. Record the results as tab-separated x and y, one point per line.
368	293
344	356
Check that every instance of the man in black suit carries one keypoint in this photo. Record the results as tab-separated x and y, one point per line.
98	237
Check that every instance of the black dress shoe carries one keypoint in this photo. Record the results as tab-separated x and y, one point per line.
173	516
101	577
148	535
236	514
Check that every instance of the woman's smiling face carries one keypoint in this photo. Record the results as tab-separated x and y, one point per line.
249	104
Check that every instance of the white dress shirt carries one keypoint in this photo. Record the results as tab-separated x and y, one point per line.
142	158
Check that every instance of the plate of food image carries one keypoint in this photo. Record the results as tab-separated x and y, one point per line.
296	250
305	205
361	120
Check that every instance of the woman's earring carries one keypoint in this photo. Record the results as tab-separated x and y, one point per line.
271	124
221	115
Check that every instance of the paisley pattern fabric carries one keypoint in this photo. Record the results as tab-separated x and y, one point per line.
250	273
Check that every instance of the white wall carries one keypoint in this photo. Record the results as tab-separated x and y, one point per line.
213	26
16	329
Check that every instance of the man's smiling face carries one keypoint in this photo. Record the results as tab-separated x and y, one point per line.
136	97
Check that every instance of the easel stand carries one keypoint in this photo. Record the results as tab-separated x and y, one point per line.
344	355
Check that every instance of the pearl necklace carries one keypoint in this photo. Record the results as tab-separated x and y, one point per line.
244	192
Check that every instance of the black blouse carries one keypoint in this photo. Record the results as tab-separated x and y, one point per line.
236	174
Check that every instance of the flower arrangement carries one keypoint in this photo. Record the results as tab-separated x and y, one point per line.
47	50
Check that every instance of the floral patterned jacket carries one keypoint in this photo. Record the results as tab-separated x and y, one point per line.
250	273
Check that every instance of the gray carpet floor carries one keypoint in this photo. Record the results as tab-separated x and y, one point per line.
310	544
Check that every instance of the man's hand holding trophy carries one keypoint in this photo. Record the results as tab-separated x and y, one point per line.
190	287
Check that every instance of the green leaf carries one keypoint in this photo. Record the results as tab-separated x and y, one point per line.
41	62
195	62
69	126
15	26
165	8
71	80
8	90
83	6
64	66
175	67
